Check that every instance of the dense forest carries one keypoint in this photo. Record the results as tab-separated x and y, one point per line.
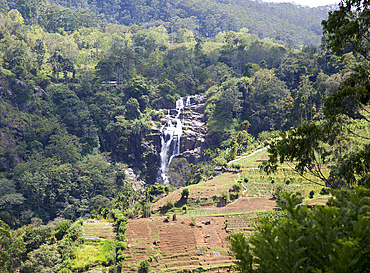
84	85
287	23
76	100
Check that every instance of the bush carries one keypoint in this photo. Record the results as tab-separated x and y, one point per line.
237	187
144	267
64	270
311	194
304	238
225	196
169	205
324	191
185	193
219	161
235	166
62	229
234	195
112	269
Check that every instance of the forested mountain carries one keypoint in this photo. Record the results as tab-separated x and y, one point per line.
85	86
287	23
60	116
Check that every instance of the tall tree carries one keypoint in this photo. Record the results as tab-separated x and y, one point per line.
345	31
6	261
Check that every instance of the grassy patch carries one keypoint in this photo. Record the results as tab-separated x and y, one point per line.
200	193
93	253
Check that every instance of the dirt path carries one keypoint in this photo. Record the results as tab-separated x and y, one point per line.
252	154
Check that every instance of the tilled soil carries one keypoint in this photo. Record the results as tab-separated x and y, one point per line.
176	245
245	204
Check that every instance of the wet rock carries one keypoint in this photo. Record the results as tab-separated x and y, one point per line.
41	93
20	83
193	140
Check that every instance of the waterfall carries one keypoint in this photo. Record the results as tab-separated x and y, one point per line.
171	134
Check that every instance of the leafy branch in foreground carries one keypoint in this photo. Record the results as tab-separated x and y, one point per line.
334	238
304	146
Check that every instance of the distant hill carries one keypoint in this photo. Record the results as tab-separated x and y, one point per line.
287	23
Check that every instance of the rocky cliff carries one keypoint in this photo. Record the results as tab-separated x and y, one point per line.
193	139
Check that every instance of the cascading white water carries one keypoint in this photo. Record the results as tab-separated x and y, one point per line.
171	134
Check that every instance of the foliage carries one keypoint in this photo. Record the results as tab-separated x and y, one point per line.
44	259
185	193
209	18
80	96
305	239
324	142
237	187
61	229
6	263
91	254
304	145
119	224
144	267
346	27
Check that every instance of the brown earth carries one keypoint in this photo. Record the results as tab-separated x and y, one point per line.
176	245
187	243
244	204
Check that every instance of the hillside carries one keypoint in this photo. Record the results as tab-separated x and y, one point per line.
115	114
287	23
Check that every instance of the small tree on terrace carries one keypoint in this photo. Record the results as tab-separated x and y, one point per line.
185	193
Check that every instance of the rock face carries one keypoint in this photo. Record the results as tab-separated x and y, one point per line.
193	139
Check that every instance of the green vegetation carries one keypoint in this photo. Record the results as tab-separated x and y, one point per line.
329	238
84	87
206	19
90	254
144	267
308	237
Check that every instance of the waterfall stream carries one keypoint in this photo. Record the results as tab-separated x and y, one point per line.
171	134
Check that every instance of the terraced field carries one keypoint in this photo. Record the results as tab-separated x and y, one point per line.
102	231
246	222
175	245
190	242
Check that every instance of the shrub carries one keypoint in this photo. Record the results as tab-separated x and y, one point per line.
219	161
324	191
225	196
62	228
311	194
235	166
112	269
144	267
234	195
169	203
64	270
330	238
237	187
185	193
